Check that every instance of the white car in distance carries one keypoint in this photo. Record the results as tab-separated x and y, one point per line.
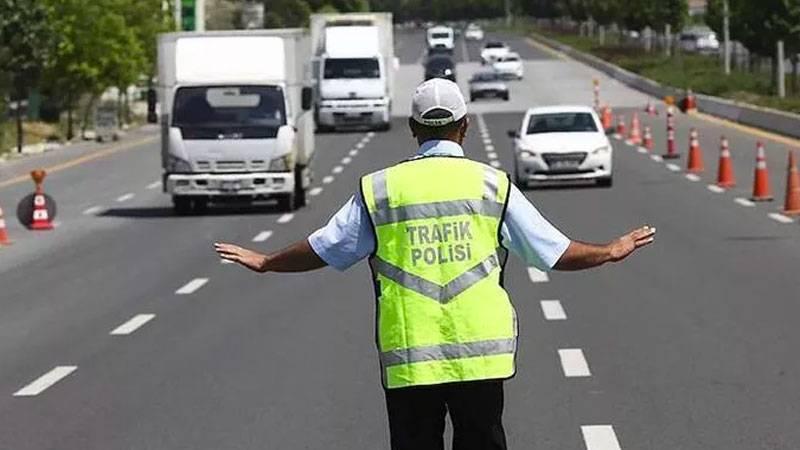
473	33
509	66
561	144
441	38
493	50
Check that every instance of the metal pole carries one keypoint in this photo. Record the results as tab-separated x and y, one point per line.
200	15
176	11
508	12
781	71
726	33
668	39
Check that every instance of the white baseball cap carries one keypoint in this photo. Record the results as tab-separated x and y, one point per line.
438	102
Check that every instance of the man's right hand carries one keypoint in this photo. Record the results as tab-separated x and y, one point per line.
248	258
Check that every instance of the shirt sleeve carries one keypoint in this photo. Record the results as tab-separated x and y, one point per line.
347	238
529	235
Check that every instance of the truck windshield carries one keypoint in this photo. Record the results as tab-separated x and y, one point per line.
208	112
440	35
561	123
351	68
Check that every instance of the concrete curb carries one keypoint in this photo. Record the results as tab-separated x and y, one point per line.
781	122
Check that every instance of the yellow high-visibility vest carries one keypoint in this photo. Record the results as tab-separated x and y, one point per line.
443	315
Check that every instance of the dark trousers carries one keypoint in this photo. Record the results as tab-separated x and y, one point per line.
417	414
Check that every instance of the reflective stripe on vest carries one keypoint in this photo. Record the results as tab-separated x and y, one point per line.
442	314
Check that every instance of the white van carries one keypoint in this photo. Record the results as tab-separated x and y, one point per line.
441	37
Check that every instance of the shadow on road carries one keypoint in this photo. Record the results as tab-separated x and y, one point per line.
165	212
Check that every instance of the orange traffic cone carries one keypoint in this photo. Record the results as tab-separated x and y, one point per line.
648	138
3	233
41	216
621	126
792	203
607	119
672	152
725	176
689	102
650	109
761	189
635	137
695	160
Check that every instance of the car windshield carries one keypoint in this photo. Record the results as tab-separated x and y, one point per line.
351	68
230	109
508	59
485	76
495	45
561	123
440	35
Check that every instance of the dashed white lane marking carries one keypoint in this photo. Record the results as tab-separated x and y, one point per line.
154	185
328	180
656	158
629	143
263	236
360	145
132	325
674	167
347	160
286	218
617	136
495	163
315	191
126	197
93	210
692	177
492	155
780	218
370	134
553	310
487	141
744	202
192	286
642	150
574	363
225	261
40	384
537	276
337	169
600	437
490	148
353	152
716	189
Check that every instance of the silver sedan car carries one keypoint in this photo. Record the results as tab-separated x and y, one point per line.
488	84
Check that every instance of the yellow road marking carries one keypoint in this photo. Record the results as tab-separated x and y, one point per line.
786	140
81	159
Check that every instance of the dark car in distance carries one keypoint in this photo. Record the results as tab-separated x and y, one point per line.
440	66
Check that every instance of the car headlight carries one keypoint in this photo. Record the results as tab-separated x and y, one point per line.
281	164
177	165
601	150
525	152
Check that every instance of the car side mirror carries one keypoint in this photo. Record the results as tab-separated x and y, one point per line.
513	134
307	99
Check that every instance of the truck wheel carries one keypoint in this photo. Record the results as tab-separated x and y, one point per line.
385	126
300	199
286	203
200	205
182	205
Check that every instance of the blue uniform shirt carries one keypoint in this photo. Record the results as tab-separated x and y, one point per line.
348	237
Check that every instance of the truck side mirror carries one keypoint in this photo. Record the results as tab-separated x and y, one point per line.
308	99
152	117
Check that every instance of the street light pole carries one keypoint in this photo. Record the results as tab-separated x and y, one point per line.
726	33
508	12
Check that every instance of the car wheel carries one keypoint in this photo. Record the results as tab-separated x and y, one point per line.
299	191
606	182
506	97
286	202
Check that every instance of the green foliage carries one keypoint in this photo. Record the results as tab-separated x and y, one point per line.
25	42
758	25
286	13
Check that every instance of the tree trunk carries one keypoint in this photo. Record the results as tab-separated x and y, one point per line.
19	126
70	129
86	112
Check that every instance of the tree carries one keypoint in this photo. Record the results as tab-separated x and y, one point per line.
286	13
26	38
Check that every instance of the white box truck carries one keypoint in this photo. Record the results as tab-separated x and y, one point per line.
236	119
355	68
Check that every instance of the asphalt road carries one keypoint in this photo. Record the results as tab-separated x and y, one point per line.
692	344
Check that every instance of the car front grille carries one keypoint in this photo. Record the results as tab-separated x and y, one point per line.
564	162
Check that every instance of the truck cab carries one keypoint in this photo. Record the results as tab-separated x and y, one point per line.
441	37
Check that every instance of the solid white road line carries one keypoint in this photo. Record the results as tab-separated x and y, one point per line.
192	286
286	218
600	437
656	158
338	169
315	191
744	202
353	152
126	197
642	150
132	325
553	310
674	167
692	177
45	381
780	218
263	236
495	163
490	148
328	180
154	185
537	276
492	155
716	189
574	363
347	160
93	210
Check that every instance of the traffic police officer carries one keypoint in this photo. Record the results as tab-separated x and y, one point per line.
436	229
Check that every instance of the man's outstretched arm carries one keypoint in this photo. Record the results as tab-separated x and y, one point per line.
298	257
580	255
